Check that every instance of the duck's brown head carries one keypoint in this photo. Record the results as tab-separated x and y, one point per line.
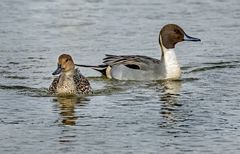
65	64
171	34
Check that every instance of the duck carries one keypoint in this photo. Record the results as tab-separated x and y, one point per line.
139	67
70	81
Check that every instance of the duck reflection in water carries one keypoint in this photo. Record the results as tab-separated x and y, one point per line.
67	107
169	98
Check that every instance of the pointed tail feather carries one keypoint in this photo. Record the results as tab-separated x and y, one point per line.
99	68
92	66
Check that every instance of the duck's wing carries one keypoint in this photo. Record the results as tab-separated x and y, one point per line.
82	84
131	61
53	87
135	62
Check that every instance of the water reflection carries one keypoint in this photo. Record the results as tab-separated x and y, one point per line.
169	98
67	107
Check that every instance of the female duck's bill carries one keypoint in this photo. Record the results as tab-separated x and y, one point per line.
138	67
70	81
58	70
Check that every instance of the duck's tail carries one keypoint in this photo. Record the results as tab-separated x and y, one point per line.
99	68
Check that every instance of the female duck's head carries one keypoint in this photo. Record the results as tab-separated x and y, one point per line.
65	64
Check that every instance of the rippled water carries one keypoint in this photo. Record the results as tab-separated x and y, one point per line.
199	114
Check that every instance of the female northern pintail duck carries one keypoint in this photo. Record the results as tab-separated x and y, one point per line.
70	81
136	67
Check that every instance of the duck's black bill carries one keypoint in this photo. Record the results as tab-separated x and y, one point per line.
190	38
58	70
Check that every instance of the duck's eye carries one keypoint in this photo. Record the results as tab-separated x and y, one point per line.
66	60
177	31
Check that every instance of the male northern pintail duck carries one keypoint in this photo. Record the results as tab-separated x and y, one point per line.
70	81
136	67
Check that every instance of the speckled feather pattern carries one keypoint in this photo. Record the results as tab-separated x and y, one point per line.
82	85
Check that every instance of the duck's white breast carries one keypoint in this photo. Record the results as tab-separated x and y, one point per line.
170	65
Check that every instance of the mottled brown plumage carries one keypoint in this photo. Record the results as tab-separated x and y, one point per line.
70	81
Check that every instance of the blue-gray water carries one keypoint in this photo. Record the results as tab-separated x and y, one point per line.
199	114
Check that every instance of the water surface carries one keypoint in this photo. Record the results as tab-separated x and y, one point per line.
198	114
